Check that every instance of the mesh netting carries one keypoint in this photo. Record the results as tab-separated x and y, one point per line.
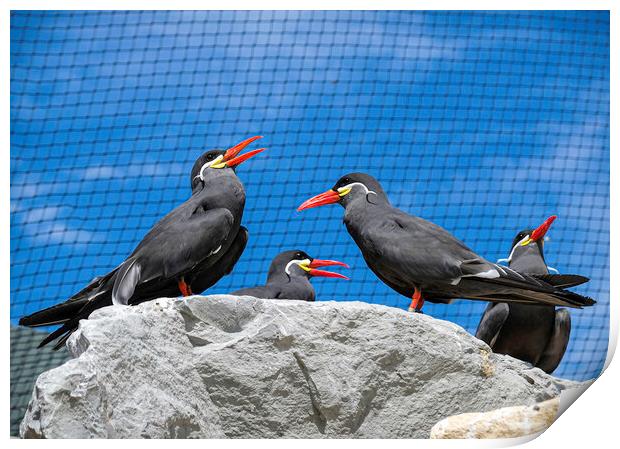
484	123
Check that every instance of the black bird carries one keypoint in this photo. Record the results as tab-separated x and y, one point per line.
423	261
537	334
187	251
289	277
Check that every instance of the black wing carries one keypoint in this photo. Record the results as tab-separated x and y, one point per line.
174	248
552	356
262	292
203	278
492	322
408	250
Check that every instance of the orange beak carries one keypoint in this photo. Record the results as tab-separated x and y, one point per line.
232	157
541	230
316	263
329	197
234	151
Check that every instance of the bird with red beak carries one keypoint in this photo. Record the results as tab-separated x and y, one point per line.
289	277
184	253
527	249
221	159
537	334
423	261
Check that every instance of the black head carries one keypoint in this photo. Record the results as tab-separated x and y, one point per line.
528	237
298	263
527	249
215	163
200	171
521	236
282	262
350	188
526	254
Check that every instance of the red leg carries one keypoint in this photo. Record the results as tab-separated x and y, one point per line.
185	289
416	301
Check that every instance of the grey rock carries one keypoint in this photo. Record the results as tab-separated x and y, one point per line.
223	366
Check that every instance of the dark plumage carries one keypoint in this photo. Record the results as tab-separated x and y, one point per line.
421	260
187	251
289	277
537	334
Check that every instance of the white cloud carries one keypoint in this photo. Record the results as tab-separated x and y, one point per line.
133	170
102	172
29	190
60	232
41	214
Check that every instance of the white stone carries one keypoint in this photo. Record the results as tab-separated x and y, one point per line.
507	422
223	366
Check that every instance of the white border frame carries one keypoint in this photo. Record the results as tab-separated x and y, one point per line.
590	421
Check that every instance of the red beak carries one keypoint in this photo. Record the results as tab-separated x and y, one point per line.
316	263
541	230
234	151
329	197
244	157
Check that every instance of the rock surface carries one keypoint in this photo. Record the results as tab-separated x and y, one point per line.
222	366
507	422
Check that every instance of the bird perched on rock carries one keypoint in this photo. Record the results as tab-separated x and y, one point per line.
537	334
289	277
423	261
187	251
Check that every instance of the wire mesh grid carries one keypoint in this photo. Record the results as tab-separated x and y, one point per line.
482	122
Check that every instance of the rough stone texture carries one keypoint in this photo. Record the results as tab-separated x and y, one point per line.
221	366
507	422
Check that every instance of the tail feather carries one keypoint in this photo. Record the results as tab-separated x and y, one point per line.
562	280
542	292
559	297
508	285
61	313
69	313
64	329
57	314
61	341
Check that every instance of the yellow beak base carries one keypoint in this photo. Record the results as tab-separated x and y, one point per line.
342	192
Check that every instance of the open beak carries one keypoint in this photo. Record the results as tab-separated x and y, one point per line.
232	158
317	263
329	197
540	231
242	158
234	151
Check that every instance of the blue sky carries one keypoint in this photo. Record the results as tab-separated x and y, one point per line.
483	122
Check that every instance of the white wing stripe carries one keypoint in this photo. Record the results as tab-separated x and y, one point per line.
489	274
